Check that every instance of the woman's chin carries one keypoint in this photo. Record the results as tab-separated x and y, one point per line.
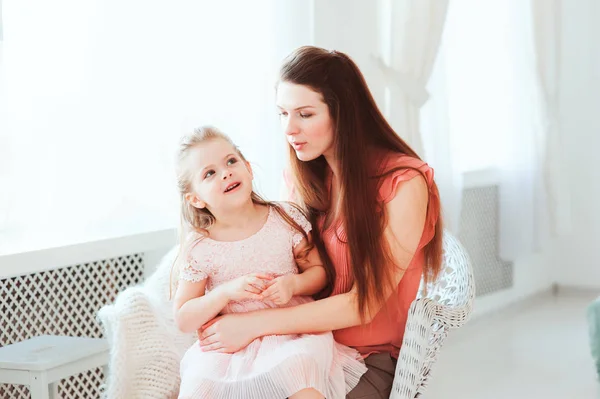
306	156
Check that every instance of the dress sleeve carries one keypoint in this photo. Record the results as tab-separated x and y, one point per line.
195	267
401	168
299	218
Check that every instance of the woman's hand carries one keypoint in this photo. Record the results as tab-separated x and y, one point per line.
246	287
280	290
227	334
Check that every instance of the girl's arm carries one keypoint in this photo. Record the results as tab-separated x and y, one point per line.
406	219
193	308
312	277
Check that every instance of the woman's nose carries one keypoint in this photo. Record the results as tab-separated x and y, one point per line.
290	127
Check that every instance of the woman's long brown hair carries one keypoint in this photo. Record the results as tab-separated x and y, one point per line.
359	127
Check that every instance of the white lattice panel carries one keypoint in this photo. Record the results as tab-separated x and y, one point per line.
479	235
63	302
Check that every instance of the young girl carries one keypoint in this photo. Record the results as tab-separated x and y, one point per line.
243	254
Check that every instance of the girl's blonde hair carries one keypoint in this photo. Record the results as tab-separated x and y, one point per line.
200	220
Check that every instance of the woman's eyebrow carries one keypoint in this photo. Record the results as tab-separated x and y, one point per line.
299	108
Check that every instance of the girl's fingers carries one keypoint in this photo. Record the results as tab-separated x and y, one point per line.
253	289
257	282
263	276
250	295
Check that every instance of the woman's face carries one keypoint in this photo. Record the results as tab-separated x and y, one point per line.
305	121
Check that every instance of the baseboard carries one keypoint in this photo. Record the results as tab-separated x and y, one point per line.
507	300
499	301
561	289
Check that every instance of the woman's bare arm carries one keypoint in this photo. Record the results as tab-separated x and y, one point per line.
406	219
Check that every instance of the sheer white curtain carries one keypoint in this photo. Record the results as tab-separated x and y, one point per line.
411	31
416	28
441	150
486	114
534	195
547	39
96	94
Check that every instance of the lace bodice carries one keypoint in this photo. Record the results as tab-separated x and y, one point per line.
269	250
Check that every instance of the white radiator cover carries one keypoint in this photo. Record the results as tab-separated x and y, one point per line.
63	301
478	232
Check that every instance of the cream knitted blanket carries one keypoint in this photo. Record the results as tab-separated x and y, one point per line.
146	346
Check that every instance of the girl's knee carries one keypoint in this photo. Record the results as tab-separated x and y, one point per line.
307	394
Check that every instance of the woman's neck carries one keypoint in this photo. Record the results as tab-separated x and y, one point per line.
333	164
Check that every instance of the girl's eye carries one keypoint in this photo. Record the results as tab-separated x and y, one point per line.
282	113
305	116
209	174
231	161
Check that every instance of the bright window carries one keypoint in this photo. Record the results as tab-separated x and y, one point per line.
95	94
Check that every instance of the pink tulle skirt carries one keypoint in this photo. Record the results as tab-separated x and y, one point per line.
271	367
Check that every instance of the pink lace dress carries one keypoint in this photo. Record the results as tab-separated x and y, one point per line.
270	367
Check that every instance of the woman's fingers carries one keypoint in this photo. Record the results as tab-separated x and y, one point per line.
269	291
270	295
212	347
211	339
209	326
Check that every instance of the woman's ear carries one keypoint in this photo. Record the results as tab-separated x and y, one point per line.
195	201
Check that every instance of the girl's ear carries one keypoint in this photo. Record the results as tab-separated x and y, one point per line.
195	201
249	169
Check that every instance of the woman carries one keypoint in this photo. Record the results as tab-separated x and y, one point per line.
376	212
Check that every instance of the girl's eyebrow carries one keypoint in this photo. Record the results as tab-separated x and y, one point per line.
212	166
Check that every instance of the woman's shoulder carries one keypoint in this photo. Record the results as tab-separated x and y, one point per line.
393	168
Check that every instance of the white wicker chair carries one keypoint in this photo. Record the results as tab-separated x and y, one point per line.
146	346
440	306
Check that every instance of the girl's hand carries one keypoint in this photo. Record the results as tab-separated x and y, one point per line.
280	290
227	334
246	287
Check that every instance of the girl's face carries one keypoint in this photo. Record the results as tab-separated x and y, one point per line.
305	121
221	180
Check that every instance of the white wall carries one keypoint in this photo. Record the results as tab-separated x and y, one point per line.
576	259
353	27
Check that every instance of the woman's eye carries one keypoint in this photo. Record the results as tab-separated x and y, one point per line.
209	173
231	161
282	113
305	116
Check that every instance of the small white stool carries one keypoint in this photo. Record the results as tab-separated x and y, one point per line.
41	362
